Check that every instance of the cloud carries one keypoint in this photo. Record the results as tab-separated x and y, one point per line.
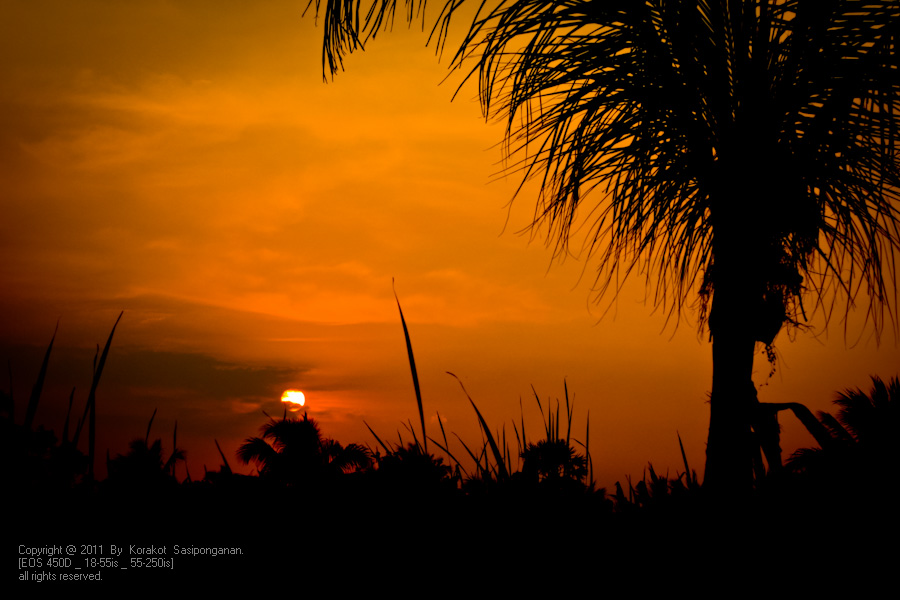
145	368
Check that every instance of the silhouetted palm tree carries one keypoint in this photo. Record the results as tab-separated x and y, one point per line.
863	437
299	454
742	148
410	469
553	460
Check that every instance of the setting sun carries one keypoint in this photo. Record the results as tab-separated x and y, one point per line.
294	399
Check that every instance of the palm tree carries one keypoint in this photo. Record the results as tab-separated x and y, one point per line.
300	454
553	460
410	469
863	436
745	149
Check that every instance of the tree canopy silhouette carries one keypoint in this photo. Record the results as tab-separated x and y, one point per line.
742	149
299	454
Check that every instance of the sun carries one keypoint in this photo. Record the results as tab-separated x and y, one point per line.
294	399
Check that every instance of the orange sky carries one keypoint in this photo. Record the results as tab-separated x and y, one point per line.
184	162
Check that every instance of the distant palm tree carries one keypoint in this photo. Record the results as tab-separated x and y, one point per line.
553	459
298	454
863	437
743	148
410	469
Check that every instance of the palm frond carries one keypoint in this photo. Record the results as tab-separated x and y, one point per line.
650	104
660	107
256	450
349	25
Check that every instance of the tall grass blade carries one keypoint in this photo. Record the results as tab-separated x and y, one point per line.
498	456
448	453
225	464
544	419
378	439
475	459
12	402
412	367
176	454
409	427
31	410
443	433
587	449
65	435
149	425
518	439
446	445
79	426
687	469
87	405
486	471
505	446
92	400
556	427
522	418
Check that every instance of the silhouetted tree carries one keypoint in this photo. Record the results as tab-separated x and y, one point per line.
410	469
298	454
863	436
742	148
553	460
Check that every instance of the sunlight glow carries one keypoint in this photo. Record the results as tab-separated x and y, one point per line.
294	399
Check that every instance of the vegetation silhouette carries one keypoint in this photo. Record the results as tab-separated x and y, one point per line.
299	455
37	461
742	148
553	460
143	467
406	470
861	442
406	493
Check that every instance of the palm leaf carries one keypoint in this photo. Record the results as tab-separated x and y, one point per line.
649	105
259	451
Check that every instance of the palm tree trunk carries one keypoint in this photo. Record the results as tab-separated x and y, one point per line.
729	450
736	299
